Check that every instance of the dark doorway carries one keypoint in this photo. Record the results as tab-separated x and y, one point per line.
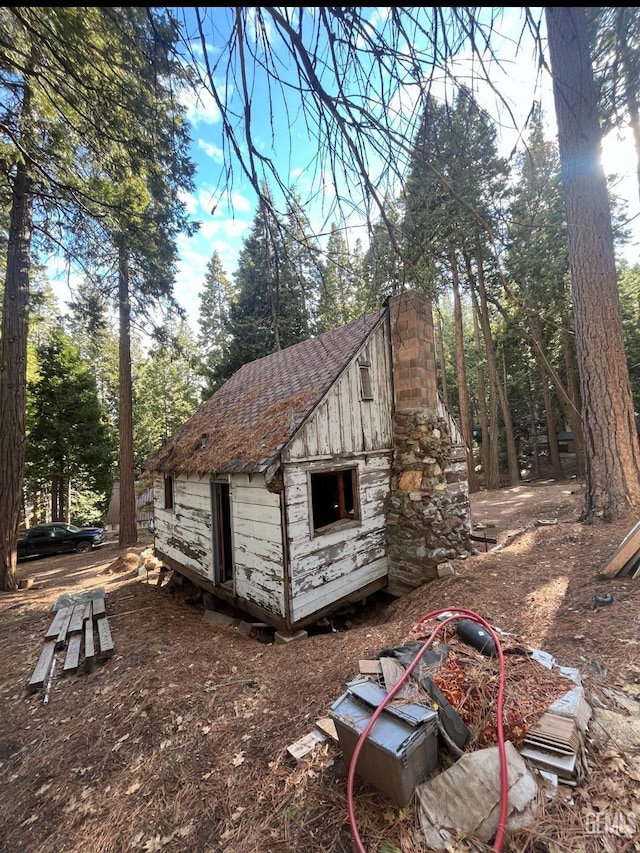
221	531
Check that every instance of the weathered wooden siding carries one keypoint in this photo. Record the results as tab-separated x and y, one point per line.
184	532
345	424
256	522
185	535
332	565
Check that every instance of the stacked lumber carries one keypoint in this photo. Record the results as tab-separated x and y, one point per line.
625	560
73	631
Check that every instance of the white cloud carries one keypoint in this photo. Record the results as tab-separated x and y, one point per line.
190	202
201	106
213	151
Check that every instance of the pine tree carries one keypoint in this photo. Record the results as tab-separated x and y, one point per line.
269	312
69	442
215	300
166	390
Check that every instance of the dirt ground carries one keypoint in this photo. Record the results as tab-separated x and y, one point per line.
179	741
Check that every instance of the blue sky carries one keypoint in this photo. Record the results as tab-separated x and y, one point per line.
226	210
224	230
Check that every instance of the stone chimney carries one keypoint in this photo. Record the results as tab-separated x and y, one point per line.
428	517
414	363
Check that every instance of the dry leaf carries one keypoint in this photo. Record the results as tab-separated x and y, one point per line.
238	759
185	830
135	786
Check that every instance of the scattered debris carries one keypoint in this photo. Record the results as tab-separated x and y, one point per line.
447	705
325	729
401	749
625	560
466	798
601	600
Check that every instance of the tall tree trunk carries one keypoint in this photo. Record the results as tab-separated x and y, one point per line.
13	369
612	481
535	461
572	412
128	530
494	379
552	431
443	365
54	498
463	389
488	420
552	427
569	401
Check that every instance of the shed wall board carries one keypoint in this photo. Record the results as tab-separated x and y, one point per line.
184	532
313	600
337	563
345	424
256	522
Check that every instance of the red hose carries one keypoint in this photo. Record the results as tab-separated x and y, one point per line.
504	786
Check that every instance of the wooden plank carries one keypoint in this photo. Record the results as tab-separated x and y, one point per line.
306	744
41	671
370	667
105	640
77	619
62	634
72	659
89	646
629	546
99	609
88	610
327	727
58	619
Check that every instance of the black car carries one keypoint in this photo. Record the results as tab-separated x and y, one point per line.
58	537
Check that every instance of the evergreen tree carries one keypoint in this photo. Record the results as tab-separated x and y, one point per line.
337	304
75	114
537	264
215	299
166	391
69	444
385	259
269	312
89	323
612	451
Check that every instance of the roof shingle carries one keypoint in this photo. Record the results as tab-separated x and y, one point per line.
246	423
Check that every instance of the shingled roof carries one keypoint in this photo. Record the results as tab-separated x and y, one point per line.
248	421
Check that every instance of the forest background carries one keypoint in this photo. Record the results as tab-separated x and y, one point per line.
95	151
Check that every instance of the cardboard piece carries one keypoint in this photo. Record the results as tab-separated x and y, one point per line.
466	798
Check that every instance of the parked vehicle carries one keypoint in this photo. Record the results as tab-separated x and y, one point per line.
56	538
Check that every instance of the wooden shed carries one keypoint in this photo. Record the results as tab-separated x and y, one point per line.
318	474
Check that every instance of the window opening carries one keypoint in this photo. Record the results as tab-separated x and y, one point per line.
168	492
366	390
334	498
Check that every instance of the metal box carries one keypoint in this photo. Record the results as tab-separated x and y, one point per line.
401	749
